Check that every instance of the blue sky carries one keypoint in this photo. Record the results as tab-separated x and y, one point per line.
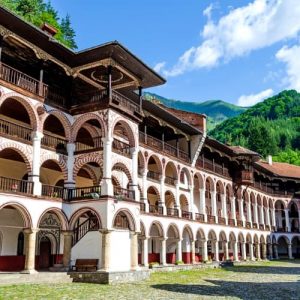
235	50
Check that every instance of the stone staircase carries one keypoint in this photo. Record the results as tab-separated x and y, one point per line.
38	278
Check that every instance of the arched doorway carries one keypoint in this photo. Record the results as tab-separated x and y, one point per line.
155	247
45	260
172	244
282	247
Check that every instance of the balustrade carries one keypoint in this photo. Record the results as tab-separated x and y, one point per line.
211	219
186	214
172	212
12	185
53	191
121	147
54	142
121	193
92	192
153	175
221	221
170	180
200	217
88	145
155	209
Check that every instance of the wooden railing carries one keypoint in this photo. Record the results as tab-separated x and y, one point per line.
20	79
91	192
155	209
248	225
186	214
200	217
170	180
12	185
121	193
221	221
211	219
15	131
172	212
121	147
239	223
142	207
153	175
53	191
90	224
125	102
55	96
261	226
54	142
254	225
231	222
163	146
84	145
210	165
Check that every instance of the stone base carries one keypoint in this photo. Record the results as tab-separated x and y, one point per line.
29	272
103	277
58	268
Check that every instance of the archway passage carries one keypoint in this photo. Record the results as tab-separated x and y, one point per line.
294	217
172	244
45	253
200	247
282	247
155	247
12	249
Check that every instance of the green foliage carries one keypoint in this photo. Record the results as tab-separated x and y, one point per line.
217	111
270	127
38	12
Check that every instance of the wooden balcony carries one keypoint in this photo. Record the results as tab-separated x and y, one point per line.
53	191
142	207
186	214
82	193
16	186
15	131
248	225
172	212
231	222
121	193
153	175
121	147
155	209
170	180
239	223
164	147
211	219
221	221
200	218
88	145
211	165
54	142
254	225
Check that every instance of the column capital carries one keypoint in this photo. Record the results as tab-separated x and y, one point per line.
37	135
31	230
67	232
105	231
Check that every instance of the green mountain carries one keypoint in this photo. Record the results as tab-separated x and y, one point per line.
217	111
269	127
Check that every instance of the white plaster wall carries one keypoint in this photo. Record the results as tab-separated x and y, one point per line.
120	251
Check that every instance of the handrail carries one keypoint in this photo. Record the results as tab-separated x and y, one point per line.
120	193
172	212
16	185
153	175
83	146
90	224
121	147
125	102
53	142
53	191
186	214
91	192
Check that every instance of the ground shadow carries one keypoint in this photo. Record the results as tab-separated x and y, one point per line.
242	290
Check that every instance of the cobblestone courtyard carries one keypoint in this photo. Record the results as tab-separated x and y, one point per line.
265	280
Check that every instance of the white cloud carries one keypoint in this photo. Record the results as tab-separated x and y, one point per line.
159	66
249	100
256	25
291	57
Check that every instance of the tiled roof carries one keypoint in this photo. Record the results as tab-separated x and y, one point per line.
281	169
242	150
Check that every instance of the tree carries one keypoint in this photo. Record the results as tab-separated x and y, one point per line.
68	32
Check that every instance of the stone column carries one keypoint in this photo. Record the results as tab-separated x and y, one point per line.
241	210
232	200
191	201
145	252
249	212
134	169
67	248
262	219
224	208
36	157
251	251
144	196
162	201
270	249
204	251
274	218
290	251
275	251
264	251
105	253
106	186
256	214
134	250
235	251
30	236
268	217
193	252
287	220
70	165
202	203
179	250
214	204
216	250
257	251
244	254
163	252
177	194
226	252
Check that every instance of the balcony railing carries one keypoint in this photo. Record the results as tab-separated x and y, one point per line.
121	147
200	217
186	214
172	212
248	225
155	209
210	165
153	175
261	227
221	221
239	223
142	207
211	219
121	193
125	102
163	146
231	222
15	131
53	191
92	192
12	185
53	142
89	145
170	180
254	225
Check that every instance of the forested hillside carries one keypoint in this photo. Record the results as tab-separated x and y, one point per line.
216	110
270	127
38	12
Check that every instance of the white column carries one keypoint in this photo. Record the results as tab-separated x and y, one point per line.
224	208
193	252
262	219
235	251
214	204
191	201
274	218
226	252
30	241
244	254
232	200
162	194
290	252
70	165
202	203
134	250
105	252
163	252
145	252
249	212
256	214
134	171
268	216
216	250
270	248
257	251
275	251
36	157
106	186
179	250
204	251
241	210
177	203
144	196
287	219
251	251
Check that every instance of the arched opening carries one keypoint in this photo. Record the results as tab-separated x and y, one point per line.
256	247
282	247
52	179
153	200
54	135
141	164
241	246
13	220
14	169
172	244
184	206
212	246
200	246
198	185
260	209
170	174
223	246
229	197
155	240
154	168
249	246
123	138
296	247
233	249
170	204
89	137
209	188
187	238
280	216
253	210
122	221
219	195
294	217
142	248
15	120
121	182
185	178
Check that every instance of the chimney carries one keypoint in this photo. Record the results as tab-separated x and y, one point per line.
269	160
50	30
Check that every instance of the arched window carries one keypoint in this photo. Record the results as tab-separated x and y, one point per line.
121	221
20	247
